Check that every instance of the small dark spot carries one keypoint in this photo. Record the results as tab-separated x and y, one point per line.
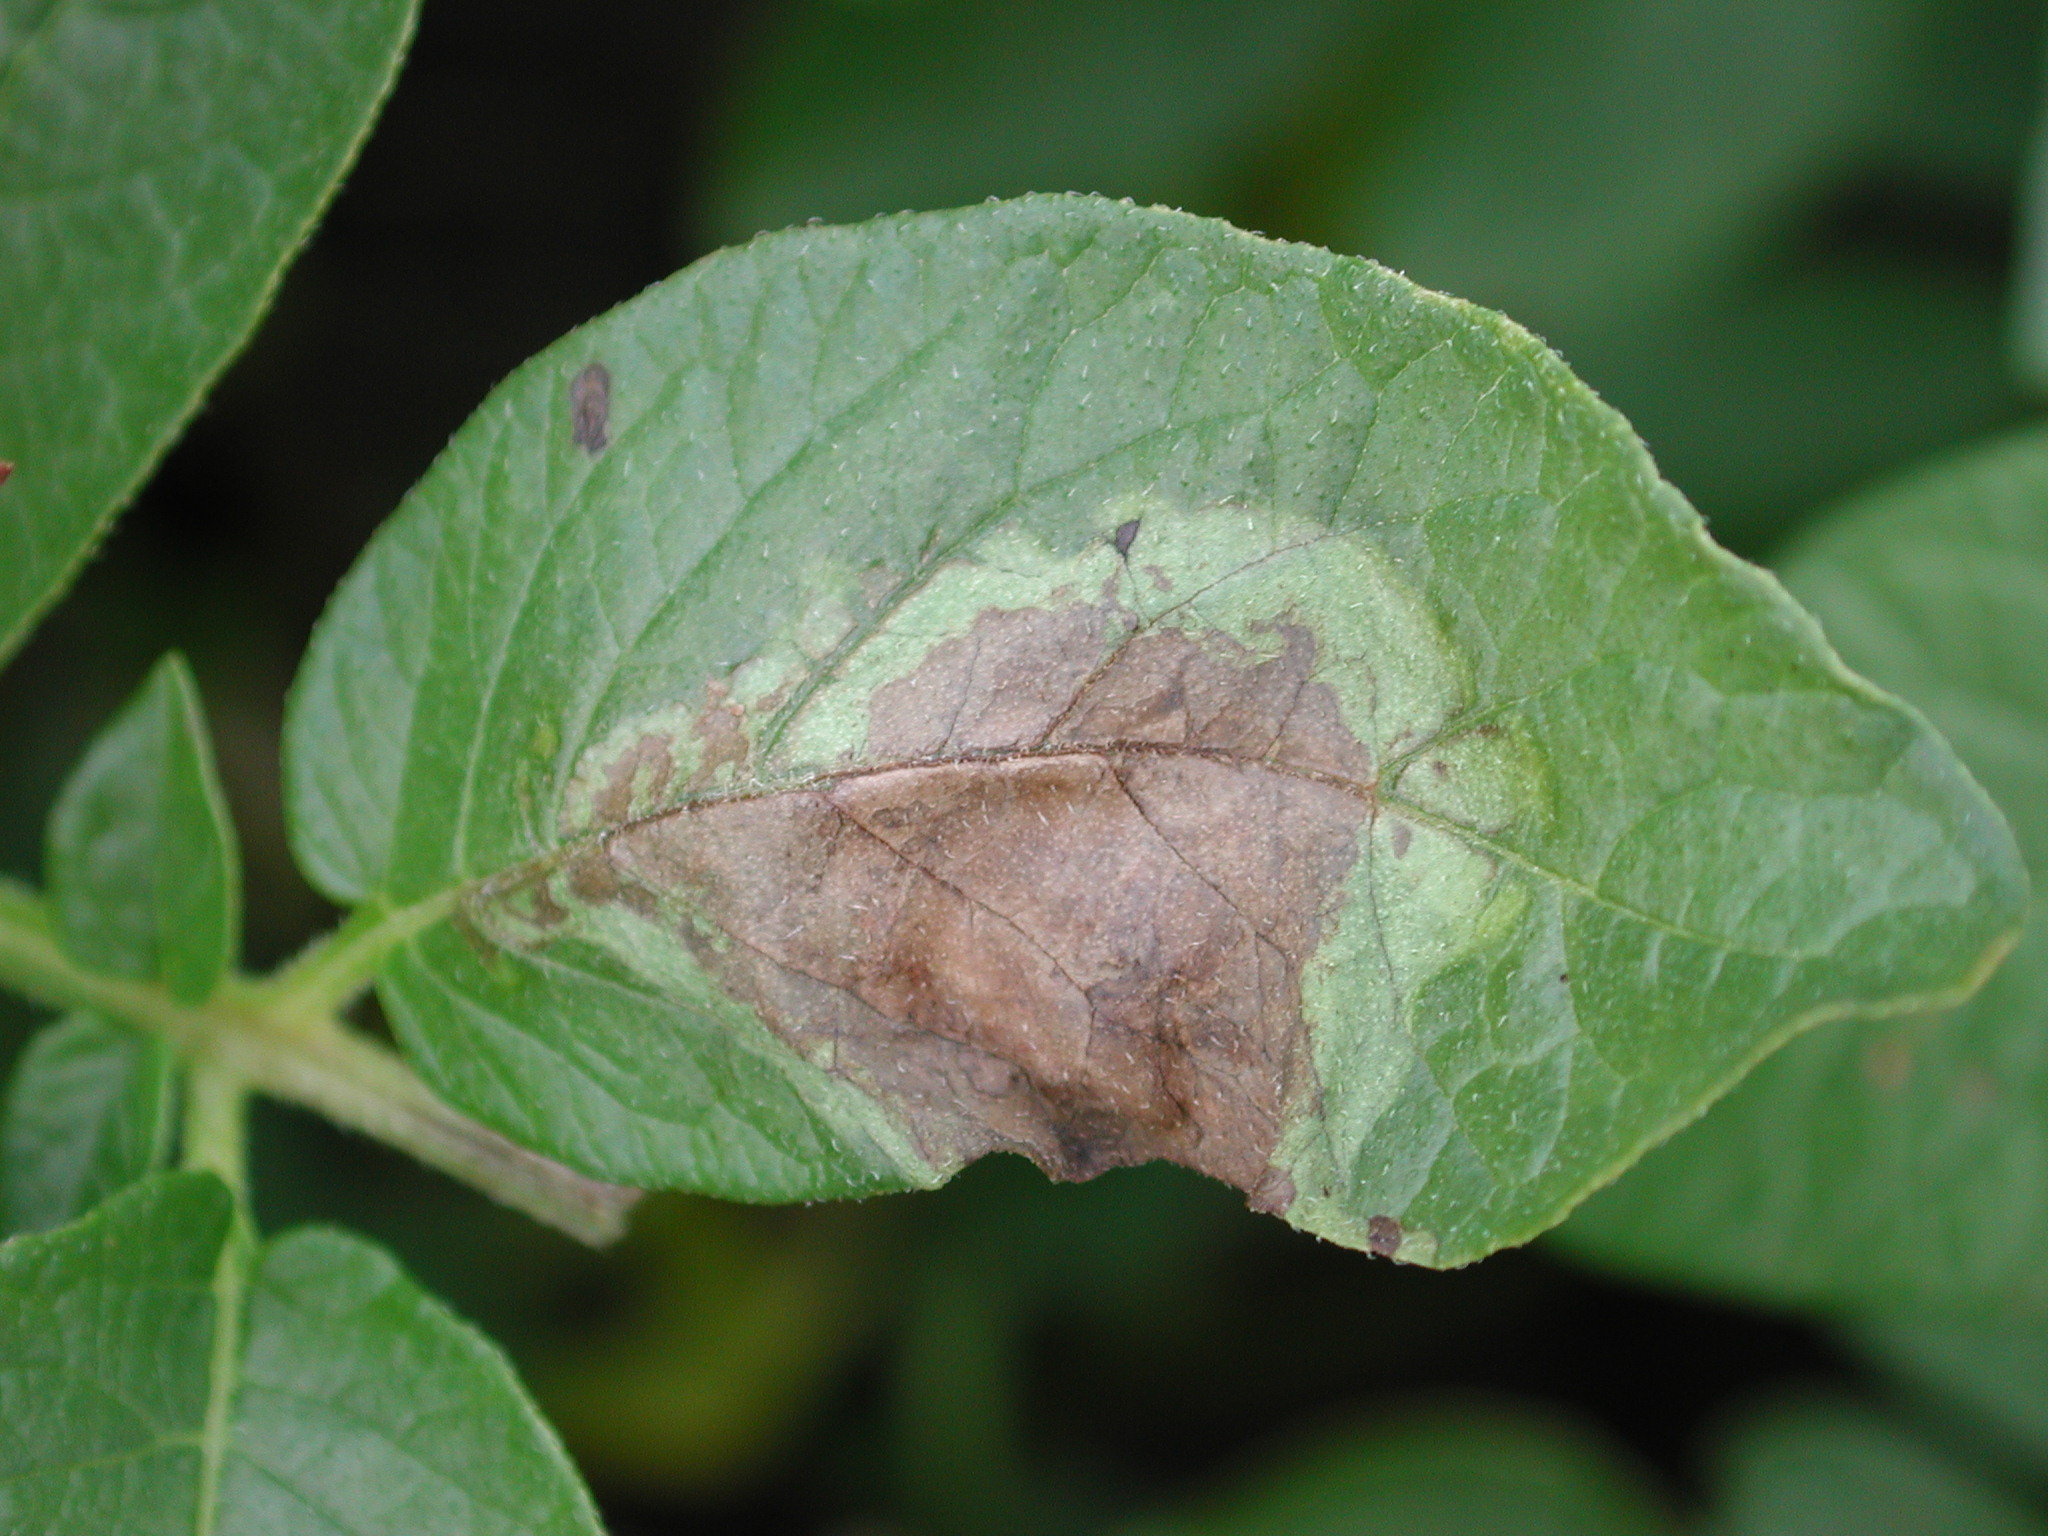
1383	1236
1402	837
1488	729
1125	537
6	469
1440	768
590	406
1564	977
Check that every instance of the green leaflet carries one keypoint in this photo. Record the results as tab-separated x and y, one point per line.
1896	1166
1820	1468
1441	1472
141	865
159	165
90	1109
352	1397
985	679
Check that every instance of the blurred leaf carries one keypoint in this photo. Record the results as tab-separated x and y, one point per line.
1901	1165
736	1322
1821	1469
1124	1270
1993	1376
2030	269
90	1110
1781	390
847	111
1471	1471
1582	164
632	674
1650	185
351	1390
159	165
1970	90
142	871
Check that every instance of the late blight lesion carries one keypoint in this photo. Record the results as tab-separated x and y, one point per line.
1057	858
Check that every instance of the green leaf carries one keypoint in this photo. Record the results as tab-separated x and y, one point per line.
1803	383
1441	1472
348	1397
90	1110
1992	1376
1821	1469
2029	319
843	112
1454	161
141	866
159	165
1086	681
1900	1165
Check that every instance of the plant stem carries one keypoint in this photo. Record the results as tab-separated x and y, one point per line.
216	1124
332	972
257	1035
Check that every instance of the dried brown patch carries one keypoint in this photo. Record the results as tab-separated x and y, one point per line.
1383	1236
590	408
721	730
1071	920
644	769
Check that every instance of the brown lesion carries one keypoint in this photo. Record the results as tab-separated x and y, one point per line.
1070	920
590	408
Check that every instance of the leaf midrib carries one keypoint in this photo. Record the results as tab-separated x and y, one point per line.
525	872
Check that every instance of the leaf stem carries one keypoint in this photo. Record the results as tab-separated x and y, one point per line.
332	972
216	1124
262	1036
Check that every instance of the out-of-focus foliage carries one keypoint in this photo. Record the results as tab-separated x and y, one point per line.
730	1327
1453	1471
1990	1377
1824	1468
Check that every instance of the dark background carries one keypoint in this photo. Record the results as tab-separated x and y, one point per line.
1781	234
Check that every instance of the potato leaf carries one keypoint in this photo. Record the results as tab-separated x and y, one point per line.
144	879
346	1398
159	165
1084	681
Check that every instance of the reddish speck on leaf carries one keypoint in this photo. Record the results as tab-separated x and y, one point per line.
590	406
6	469
1383	1236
